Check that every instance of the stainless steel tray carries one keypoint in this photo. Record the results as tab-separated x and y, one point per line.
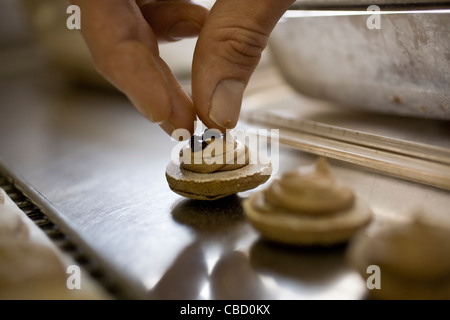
88	161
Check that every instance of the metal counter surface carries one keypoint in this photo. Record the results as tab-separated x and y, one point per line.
97	169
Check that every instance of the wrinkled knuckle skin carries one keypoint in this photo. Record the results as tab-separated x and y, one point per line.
242	46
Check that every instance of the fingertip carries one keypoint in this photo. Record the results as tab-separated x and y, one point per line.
223	109
228	50
183	29
156	111
132	68
168	127
174	20
226	103
183	114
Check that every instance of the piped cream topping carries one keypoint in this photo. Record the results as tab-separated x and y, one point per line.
220	153
312	190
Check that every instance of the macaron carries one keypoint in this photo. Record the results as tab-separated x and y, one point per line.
216	166
411	256
307	206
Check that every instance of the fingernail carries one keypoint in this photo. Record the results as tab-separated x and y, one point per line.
184	29
140	107
168	127
226	103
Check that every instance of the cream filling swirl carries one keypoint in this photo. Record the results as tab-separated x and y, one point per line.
221	154
312	191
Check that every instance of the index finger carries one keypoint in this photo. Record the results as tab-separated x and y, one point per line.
125	51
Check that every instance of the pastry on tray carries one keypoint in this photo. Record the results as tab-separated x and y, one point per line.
412	256
214	166
307	206
31	266
11	224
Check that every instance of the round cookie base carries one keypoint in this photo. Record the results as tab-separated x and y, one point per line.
216	185
302	230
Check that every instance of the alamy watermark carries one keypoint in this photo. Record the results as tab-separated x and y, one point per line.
374	280
74	20
374	20
73	281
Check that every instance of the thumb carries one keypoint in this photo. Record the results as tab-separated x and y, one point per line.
228	50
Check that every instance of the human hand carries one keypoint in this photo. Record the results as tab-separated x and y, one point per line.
123	37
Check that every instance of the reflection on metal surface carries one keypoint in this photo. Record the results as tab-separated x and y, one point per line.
96	168
304	272
217	225
234	278
210	218
185	278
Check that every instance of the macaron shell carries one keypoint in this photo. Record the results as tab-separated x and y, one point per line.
216	185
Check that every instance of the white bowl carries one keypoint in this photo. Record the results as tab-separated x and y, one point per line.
402	68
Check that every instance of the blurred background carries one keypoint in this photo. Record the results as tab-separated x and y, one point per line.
327	69
403	68
87	157
34	36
